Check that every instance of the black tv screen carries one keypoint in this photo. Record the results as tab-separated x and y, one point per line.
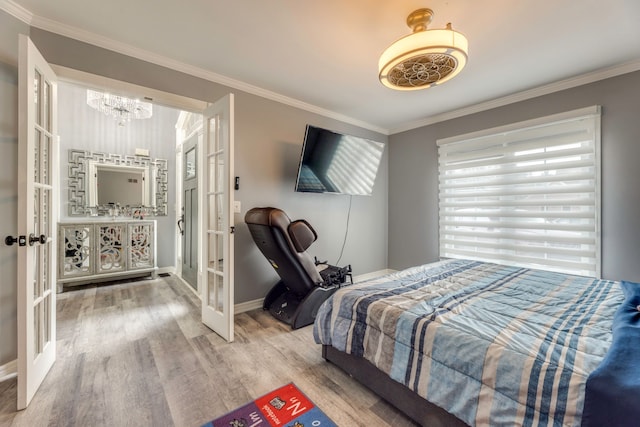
336	163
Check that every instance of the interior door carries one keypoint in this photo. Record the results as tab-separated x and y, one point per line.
216	218
190	211
37	217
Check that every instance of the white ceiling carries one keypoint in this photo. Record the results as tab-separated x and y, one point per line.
325	53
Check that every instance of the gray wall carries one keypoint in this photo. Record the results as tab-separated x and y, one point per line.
9	30
84	128
268	144
268	141
268	147
413	173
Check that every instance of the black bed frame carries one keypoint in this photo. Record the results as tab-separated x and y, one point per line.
411	404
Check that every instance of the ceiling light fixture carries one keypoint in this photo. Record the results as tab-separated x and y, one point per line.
121	108
424	58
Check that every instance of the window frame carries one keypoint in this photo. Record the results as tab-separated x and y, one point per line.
469	147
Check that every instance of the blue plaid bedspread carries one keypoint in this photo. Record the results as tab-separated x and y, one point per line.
493	345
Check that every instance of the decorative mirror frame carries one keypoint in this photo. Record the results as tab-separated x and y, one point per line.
78	182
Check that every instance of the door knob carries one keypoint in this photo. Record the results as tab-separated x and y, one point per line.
42	239
20	240
180	224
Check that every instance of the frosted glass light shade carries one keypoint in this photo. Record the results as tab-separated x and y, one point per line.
423	59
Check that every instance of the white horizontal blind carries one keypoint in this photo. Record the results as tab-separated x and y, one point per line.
526	195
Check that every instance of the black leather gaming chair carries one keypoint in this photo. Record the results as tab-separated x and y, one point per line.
303	285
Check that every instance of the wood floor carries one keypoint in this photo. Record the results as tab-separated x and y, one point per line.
136	354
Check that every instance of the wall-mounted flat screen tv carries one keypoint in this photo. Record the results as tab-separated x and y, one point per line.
336	163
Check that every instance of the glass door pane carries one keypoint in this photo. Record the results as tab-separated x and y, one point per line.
217	219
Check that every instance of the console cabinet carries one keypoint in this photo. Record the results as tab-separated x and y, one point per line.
99	251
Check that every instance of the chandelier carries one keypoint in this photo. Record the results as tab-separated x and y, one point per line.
424	58
121	108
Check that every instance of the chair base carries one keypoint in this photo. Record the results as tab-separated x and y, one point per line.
294	310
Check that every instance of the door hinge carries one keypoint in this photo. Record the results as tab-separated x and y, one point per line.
232	230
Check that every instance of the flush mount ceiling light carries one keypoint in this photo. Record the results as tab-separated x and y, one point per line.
123	109
424	58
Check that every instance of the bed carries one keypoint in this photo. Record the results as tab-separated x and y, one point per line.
465	342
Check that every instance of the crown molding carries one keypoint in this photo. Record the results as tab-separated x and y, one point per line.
94	39
16	11
144	55
605	73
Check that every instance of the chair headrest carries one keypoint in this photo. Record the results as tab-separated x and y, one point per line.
302	234
272	217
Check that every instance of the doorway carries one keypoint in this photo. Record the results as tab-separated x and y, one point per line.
222	114
215	201
105	145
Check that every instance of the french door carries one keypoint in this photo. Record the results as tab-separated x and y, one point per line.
216	218
37	217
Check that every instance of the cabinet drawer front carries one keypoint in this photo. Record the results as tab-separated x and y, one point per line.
141	251
76	242
111	253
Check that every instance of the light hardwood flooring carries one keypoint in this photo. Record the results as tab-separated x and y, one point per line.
136	354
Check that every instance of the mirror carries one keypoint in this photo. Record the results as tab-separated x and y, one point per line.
121	187
111	184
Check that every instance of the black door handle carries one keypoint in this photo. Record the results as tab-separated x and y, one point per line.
20	240
180	222
42	239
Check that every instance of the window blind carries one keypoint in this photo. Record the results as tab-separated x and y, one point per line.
526	194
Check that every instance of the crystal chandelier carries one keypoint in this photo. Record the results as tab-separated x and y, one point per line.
123	109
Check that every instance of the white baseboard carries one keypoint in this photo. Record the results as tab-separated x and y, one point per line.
248	306
372	275
170	270
9	370
238	308
257	303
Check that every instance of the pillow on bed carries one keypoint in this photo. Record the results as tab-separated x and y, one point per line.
606	404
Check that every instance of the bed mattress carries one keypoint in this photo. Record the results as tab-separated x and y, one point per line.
491	344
